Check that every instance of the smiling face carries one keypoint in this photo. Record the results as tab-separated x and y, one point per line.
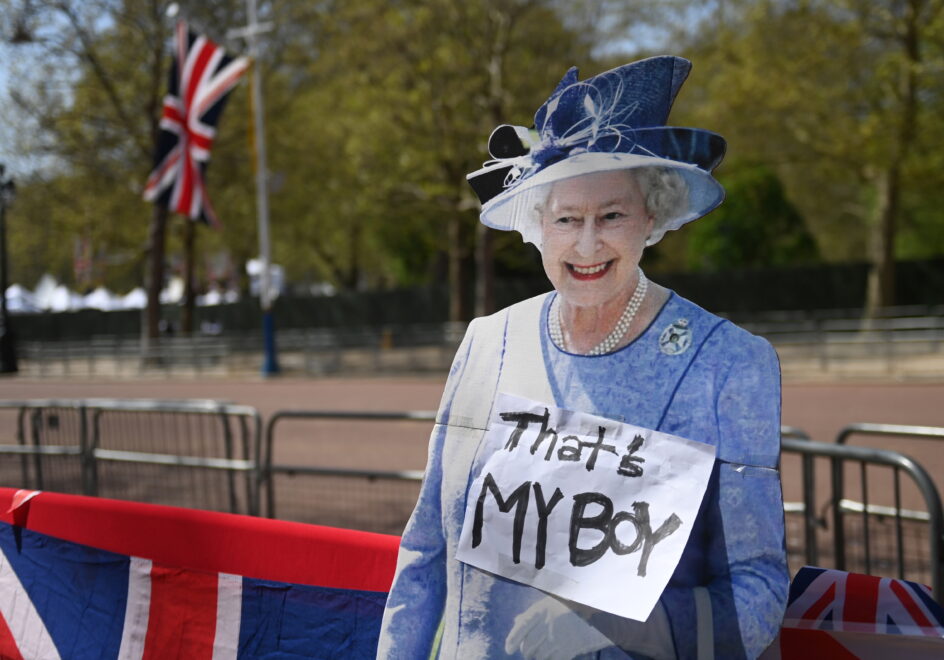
594	229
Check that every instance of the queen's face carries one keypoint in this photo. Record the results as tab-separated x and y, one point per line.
594	229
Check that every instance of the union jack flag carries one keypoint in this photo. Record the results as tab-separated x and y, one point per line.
64	600
828	599
835	615
200	78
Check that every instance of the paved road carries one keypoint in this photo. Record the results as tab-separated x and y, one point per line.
821	409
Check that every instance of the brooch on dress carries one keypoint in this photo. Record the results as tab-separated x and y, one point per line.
676	338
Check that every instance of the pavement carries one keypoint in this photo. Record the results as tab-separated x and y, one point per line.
819	408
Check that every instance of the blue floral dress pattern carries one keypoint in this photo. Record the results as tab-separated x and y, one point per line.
717	384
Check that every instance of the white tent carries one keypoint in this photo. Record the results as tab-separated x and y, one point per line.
134	299
54	297
63	300
21	299
101	298
45	291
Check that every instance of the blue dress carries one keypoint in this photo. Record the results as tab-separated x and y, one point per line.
690	374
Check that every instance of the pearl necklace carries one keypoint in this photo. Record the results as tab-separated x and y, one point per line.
612	340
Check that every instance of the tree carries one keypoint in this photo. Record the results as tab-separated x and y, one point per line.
400	133
757	226
101	131
370	131
833	95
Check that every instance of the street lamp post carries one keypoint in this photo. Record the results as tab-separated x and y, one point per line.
7	345
270	364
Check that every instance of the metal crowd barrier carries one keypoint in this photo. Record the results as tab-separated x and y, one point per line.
210	455
194	453
836	342
892	558
369	500
808	485
388	510
899	430
123	356
907	346
317	351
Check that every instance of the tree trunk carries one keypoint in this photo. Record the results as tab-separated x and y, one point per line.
190	295
881	283
354	257
484	239
155	276
154	263
484	268
455	267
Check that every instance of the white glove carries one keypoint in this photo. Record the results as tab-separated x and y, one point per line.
560	630
551	629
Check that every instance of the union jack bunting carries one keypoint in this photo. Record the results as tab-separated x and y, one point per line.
200	78
834	615
64	600
828	599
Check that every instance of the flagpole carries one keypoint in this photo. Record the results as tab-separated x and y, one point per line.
270	364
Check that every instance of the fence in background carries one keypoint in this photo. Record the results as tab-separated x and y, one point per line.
369	500
888	538
315	352
200	454
896	346
880	546
905	346
212	455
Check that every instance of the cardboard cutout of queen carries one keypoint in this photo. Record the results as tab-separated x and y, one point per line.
603	474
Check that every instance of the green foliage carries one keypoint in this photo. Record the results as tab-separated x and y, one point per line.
839	97
376	110
756	226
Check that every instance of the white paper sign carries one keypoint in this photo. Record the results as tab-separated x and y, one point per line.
584	507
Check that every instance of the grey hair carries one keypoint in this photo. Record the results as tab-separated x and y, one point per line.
666	195
664	189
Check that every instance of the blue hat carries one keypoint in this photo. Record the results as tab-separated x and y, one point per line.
615	120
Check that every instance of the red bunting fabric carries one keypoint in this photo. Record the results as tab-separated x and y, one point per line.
84	577
91	578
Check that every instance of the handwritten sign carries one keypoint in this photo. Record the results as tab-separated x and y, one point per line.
584	507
